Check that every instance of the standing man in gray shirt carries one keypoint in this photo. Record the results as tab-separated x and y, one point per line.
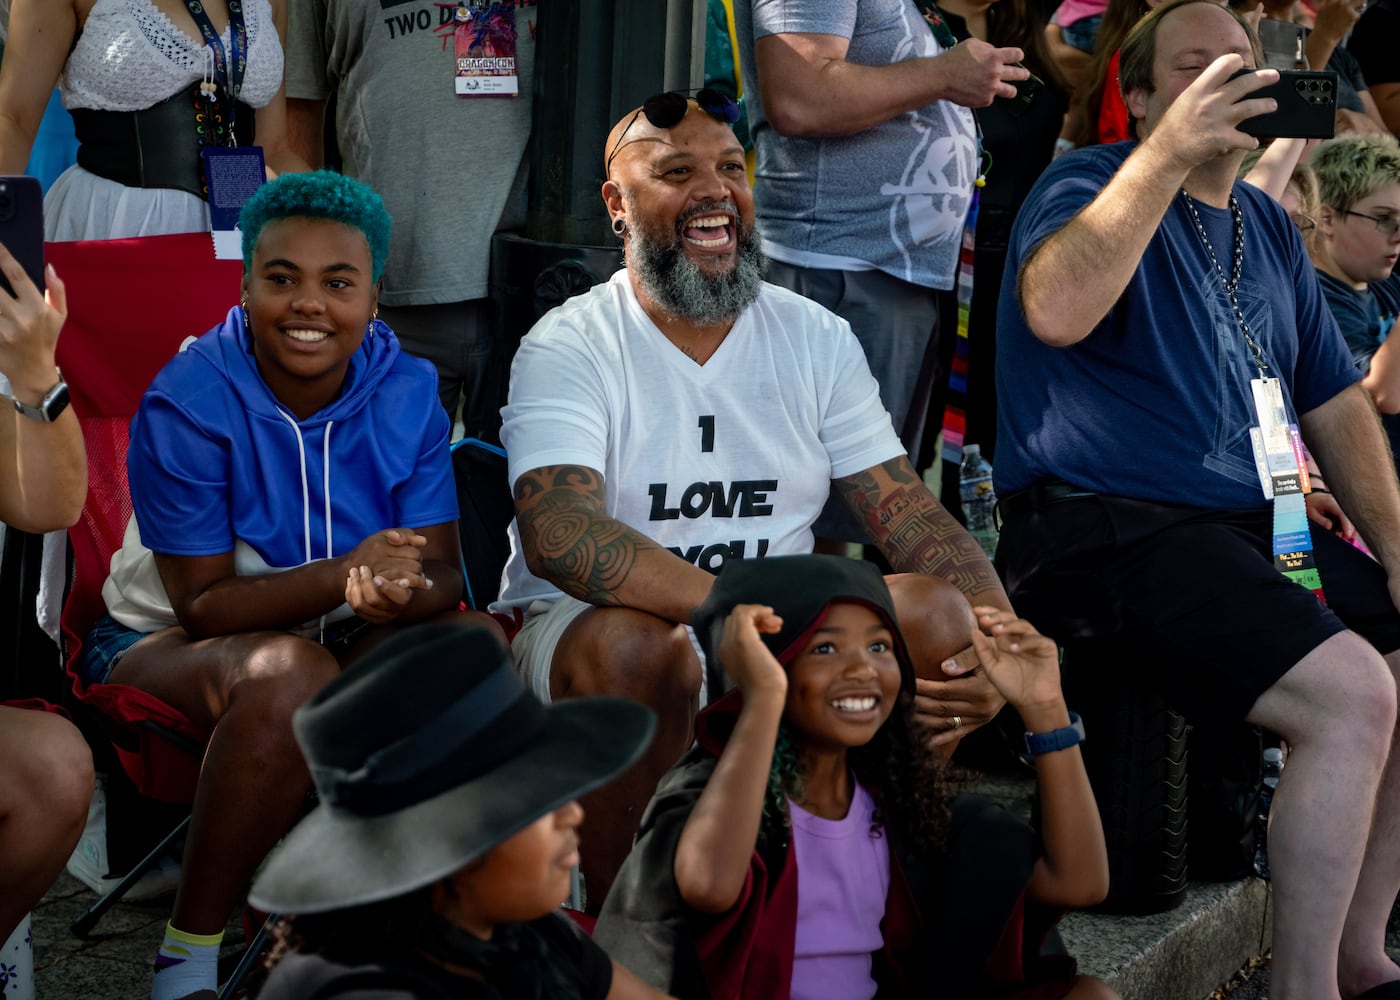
867	155
433	112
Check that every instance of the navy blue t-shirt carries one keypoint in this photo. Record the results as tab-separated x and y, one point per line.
1155	403
1366	316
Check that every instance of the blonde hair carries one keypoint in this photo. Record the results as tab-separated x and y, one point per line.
1350	168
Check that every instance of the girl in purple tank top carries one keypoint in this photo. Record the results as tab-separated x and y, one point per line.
811	844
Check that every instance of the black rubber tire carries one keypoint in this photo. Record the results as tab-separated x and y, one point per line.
1135	753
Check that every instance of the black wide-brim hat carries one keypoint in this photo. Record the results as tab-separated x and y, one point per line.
799	589
427	754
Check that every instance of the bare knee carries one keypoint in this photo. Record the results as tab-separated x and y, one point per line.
69	787
278	677
47	761
1342	693
934	617
631	654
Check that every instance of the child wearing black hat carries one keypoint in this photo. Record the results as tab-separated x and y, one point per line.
809	845
447	830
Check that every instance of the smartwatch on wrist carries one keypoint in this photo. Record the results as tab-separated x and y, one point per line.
1057	739
55	401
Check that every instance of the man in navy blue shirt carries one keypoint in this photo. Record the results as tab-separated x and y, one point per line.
1158	319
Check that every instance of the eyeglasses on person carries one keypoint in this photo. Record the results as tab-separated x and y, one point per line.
666	111
1386	225
1303	221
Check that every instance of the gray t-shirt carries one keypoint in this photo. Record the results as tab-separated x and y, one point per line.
892	198
450	169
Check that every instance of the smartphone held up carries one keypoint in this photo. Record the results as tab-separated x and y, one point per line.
22	227
1307	106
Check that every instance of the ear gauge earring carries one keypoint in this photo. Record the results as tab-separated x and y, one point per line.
619	226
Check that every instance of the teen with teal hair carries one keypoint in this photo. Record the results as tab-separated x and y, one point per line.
294	502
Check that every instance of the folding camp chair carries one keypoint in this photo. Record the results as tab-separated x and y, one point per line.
132	304
486	508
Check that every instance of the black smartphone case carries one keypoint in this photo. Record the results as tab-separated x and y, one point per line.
1307	106
22	227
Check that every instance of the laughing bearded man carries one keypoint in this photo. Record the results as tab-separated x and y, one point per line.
685	413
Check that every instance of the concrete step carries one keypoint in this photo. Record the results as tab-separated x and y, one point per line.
1182	954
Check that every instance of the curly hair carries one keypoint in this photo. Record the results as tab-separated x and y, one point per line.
908	781
322	194
1350	168
388	929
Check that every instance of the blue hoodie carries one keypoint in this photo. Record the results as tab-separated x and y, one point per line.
216	463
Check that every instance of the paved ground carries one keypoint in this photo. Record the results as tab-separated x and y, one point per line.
115	964
1252	982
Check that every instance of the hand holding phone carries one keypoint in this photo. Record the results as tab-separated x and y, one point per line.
1025	92
1307	106
29	320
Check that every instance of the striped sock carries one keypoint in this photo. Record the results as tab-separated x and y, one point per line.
185	964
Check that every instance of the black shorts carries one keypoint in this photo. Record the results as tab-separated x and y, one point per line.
1194	594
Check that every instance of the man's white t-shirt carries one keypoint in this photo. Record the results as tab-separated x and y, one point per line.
730	459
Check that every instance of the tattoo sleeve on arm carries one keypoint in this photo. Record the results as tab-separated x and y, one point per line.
914	531
568	538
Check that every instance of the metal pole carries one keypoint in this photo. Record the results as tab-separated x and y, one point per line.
572	114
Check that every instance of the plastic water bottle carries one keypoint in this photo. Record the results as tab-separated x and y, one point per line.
1273	767
979	500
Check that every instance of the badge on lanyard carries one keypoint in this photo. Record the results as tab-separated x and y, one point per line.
233	173
1283	474
1278	449
485	51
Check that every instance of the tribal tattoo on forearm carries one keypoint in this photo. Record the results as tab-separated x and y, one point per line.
914	531
567	537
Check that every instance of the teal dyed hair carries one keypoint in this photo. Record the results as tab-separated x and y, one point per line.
322	194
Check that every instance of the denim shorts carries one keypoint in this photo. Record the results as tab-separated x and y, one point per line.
1081	33
106	643
109	640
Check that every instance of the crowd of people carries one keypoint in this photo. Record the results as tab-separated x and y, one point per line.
1168	361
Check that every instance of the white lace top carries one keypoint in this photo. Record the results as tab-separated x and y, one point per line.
130	56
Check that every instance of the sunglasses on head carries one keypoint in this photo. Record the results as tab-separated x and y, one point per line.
666	111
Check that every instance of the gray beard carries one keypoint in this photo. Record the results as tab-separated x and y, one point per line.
678	285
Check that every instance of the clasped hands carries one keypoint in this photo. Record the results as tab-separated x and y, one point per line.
384	571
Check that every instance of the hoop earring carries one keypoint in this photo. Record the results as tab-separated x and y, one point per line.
619	226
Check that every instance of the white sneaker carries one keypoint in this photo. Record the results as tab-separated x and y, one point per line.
88	863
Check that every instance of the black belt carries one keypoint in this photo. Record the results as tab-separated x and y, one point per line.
1038	497
156	147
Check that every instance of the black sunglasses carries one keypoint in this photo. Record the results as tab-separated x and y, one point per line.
666	110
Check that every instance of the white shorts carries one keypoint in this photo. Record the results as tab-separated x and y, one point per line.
544	624
533	646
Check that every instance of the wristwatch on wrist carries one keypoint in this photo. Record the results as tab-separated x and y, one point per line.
1057	739
55	401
